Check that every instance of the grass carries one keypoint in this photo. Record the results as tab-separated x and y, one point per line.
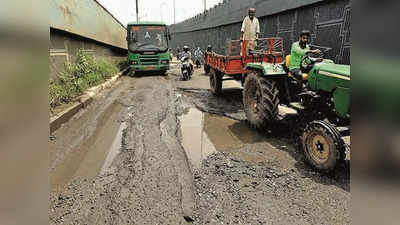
77	77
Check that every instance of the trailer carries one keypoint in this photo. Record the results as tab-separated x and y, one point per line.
232	65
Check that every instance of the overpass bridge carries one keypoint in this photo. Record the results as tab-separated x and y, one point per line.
86	24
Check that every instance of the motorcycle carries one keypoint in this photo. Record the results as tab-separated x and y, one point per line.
186	68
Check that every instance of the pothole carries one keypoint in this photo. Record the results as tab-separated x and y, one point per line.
205	133
96	152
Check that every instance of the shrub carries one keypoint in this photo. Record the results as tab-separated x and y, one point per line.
77	77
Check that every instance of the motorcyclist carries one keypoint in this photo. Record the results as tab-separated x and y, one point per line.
187	53
300	49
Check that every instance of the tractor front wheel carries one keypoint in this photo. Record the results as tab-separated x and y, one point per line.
260	100
215	82
321	144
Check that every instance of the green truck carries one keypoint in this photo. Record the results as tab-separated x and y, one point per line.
148	46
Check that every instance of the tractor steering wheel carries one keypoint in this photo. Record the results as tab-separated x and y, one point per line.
307	62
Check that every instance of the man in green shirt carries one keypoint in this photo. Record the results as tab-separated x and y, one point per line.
300	49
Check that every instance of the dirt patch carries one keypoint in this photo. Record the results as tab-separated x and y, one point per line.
230	190
149	181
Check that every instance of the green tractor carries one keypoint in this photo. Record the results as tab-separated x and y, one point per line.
321	98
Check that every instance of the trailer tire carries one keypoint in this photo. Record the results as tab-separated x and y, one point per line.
206	69
215	82
260	101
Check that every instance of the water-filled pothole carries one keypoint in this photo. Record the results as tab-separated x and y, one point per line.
205	133
96	152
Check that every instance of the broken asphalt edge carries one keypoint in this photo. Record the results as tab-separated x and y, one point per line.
82	102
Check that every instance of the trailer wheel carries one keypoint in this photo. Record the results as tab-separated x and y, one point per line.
260	100
215	82
322	145
206	69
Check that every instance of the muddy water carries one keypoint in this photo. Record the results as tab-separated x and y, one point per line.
195	141
95	153
204	134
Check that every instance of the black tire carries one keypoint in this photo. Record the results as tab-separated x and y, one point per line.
163	73
131	73
322	145
215	82
206	69
260	101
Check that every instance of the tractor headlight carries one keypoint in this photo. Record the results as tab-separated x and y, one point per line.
164	61
134	62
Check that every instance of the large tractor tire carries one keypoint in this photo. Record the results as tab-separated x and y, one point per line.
322	145
260	100
215	82
206	69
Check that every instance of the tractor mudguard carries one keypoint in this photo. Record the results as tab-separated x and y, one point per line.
267	69
341	100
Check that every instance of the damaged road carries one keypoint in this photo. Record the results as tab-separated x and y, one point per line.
176	154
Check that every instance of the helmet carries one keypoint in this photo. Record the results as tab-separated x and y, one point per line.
185	48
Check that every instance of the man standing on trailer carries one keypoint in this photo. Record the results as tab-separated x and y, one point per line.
250	30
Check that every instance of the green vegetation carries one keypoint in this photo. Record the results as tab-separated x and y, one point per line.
77	77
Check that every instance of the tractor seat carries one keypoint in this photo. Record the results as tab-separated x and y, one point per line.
286	64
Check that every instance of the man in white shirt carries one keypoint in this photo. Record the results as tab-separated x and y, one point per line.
250	30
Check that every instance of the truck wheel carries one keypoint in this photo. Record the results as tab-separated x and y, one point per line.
215	82
260	100
321	144
206	69
163	73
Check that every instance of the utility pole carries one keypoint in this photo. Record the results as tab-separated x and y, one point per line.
205	5
174	13
137	11
161	10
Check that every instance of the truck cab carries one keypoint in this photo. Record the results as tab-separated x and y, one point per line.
148	46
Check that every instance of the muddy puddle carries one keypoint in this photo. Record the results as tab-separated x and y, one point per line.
205	133
96	153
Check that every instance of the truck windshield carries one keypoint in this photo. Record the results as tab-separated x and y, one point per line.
147	38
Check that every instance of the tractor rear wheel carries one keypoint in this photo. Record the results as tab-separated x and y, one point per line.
215	82
321	144
260	100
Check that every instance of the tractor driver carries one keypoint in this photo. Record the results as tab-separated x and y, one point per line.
300	49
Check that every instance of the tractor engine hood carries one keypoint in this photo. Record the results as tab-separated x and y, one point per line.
333	69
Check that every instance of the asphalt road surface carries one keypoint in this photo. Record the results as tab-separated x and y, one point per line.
159	150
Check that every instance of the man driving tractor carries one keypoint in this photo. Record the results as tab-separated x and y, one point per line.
298	51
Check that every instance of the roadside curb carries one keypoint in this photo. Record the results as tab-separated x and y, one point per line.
82	102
